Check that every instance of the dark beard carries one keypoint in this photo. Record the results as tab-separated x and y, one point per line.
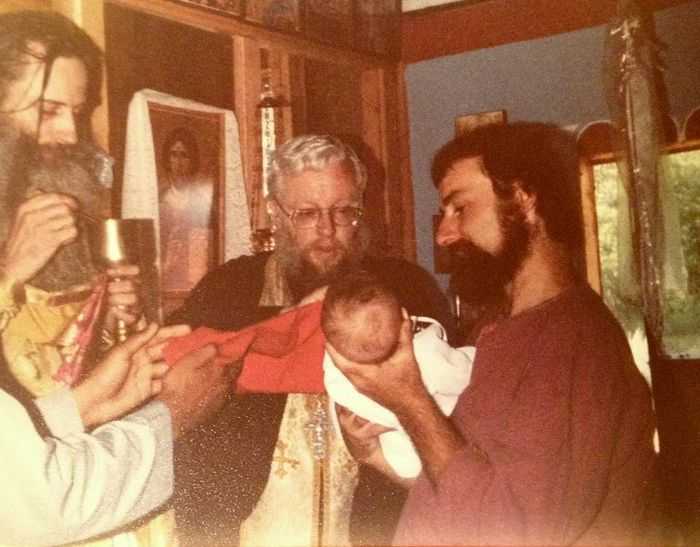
32	172
303	277
479	277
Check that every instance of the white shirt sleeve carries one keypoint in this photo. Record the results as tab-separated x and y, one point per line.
74	485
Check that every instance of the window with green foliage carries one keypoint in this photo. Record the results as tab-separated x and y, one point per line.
681	294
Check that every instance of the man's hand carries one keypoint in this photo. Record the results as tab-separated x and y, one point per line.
129	375
42	224
393	383
123	300
196	388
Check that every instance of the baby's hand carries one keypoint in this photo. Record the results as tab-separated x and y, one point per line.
362	439
361	436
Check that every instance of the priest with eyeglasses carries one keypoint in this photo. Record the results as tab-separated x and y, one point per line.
271	469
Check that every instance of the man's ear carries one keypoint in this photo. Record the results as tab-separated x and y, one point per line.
527	202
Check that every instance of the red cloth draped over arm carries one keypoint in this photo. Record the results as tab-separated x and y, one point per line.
282	355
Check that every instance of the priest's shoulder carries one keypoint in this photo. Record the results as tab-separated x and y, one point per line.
234	285
240	266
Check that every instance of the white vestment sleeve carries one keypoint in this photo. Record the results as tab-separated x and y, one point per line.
75	485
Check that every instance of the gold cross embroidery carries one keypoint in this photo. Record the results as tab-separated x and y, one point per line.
317	428
281	459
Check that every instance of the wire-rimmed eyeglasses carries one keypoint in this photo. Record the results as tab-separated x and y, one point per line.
302	219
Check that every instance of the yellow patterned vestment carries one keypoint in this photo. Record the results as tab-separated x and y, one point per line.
308	496
32	322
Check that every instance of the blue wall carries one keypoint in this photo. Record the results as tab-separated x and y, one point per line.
556	79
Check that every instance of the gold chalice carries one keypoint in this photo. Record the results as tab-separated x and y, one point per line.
120	241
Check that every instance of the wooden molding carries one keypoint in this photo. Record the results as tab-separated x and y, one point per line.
213	22
590	227
246	95
15	5
455	29
404	176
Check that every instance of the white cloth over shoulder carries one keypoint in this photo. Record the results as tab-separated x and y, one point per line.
61	490
445	371
140	188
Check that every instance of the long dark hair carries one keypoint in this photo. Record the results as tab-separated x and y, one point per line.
186	137
60	37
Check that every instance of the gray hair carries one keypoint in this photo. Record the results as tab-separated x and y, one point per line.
313	152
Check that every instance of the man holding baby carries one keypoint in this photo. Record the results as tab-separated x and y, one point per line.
551	442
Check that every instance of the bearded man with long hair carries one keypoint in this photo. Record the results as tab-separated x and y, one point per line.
552	442
51	294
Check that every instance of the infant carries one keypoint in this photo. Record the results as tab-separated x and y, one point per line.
361	317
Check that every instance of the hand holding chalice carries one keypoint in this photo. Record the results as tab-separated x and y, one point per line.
119	246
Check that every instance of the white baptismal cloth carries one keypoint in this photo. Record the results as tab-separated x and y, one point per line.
445	372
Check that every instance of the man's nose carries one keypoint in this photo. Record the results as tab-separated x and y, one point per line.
64	129
448	232
325	222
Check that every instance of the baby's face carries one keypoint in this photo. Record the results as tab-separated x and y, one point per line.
368	335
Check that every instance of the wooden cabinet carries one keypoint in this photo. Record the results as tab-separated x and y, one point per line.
370	26
209	57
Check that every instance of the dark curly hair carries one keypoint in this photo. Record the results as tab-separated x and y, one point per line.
541	157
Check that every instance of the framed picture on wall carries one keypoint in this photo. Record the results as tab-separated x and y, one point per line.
183	169
467	122
190	170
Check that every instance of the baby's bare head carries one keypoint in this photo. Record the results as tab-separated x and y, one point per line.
361	318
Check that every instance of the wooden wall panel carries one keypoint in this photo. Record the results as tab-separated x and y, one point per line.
590	227
402	151
15	5
215	23
143	51
325	90
432	33
379	186
245	97
332	98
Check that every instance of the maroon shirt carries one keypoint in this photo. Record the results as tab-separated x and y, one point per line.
560	424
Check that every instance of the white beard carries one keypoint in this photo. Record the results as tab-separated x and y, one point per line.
303	276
